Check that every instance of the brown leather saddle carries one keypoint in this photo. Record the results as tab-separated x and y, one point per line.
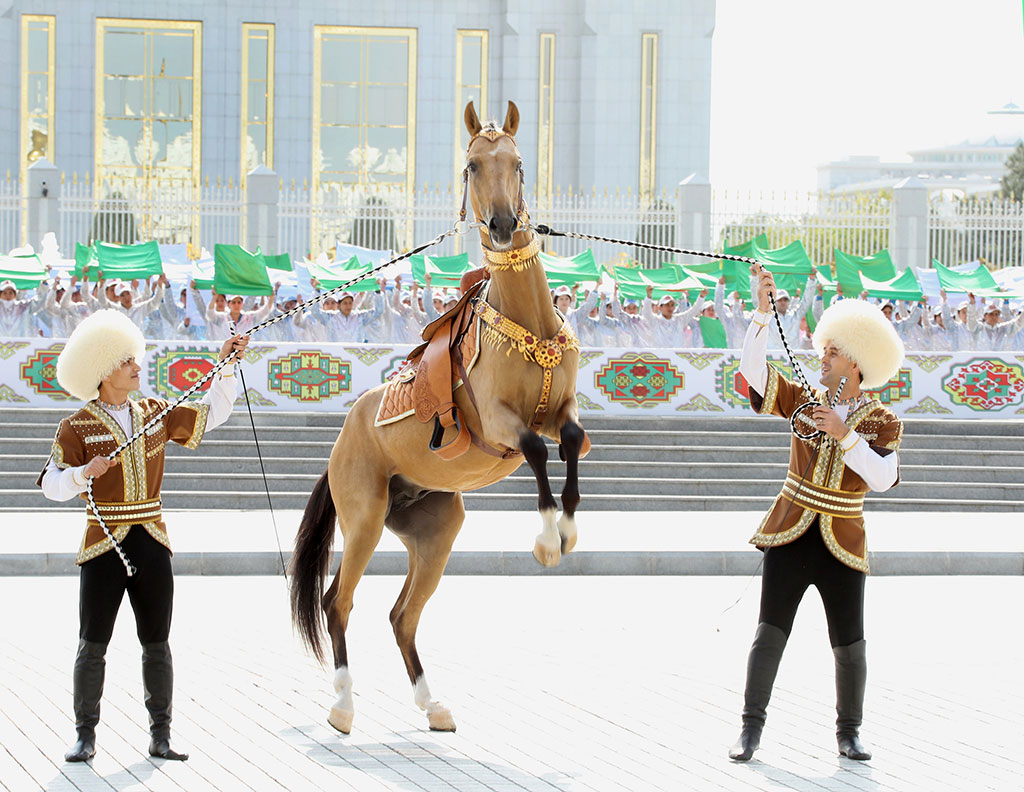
439	368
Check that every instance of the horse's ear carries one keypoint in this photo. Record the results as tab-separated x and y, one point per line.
473	125
511	119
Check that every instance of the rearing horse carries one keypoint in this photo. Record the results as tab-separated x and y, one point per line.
522	386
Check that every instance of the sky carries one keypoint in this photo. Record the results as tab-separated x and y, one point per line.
798	83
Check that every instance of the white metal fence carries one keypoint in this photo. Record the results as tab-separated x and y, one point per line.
10	214
129	211
965	230
383	217
856	224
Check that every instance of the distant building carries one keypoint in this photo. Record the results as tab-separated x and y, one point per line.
348	93
973	166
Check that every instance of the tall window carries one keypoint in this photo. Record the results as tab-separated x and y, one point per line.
37	73
648	114
364	106
257	97
471	50
148	102
546	116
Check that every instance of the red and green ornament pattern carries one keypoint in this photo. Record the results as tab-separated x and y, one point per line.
639	380
39	371
309	376
175	370
984	384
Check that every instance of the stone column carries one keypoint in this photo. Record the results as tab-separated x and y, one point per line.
42	193
261	198
693	216
909	239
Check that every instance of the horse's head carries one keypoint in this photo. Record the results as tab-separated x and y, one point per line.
495	175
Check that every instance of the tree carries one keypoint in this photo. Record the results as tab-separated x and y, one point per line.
1012	183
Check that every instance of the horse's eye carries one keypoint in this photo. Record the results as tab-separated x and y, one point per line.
471	167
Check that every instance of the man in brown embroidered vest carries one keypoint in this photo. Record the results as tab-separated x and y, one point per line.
814	532
100	365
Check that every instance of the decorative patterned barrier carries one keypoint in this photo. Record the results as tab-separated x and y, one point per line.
611	381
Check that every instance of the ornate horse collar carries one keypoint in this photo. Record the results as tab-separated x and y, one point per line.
546	353
517	259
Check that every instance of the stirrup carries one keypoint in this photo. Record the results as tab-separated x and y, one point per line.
455	447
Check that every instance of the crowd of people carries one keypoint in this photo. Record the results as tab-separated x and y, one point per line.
393	314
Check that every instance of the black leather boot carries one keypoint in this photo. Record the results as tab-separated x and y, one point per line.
762	665
158	684
851	680
90	666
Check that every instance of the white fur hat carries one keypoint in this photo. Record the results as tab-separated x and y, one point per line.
862	333
101	343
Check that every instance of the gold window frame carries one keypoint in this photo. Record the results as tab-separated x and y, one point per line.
248	28
648	114
27	21
546	116
103	24
460	92
411	36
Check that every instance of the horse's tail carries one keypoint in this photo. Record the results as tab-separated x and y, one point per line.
310	565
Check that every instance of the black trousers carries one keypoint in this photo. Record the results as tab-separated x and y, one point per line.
104	581
789	569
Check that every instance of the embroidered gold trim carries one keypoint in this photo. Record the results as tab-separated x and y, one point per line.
771	392
57	451
499	329
199	428
119	533
841	554
127	469
104	438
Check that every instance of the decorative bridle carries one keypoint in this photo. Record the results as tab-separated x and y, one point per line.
500	259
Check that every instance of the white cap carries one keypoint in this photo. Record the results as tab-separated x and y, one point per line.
7	284
121	288
668	298
990	308
936	310
884	303
631	302
345	295
960	306
781	294
563	291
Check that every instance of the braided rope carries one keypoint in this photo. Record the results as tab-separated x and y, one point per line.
129	567
548	231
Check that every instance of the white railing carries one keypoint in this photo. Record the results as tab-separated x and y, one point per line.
389	218
991	231
130	211
10	213
857	224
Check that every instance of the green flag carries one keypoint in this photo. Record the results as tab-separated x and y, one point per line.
27	272
237	271
670	279
713	333
126	262
203	273
570	271
850	268
333	274
903	287
979	282
445	271
282	261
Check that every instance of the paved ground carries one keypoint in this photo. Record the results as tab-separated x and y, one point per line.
557	685
501	543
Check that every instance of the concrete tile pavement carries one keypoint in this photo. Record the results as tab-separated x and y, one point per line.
567	683
501	543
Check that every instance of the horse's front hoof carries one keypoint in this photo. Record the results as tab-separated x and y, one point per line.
545	554
440	718
341	719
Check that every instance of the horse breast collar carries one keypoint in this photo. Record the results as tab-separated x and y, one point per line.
546	353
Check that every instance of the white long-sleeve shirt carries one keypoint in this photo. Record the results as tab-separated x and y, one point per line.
63	485
879	472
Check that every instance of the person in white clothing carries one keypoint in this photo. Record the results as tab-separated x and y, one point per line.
668	328
346	323
226	312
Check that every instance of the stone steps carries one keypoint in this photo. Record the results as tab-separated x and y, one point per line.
639	463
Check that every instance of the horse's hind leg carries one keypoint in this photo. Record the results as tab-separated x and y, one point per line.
362	522
428	528
571	442
548	547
